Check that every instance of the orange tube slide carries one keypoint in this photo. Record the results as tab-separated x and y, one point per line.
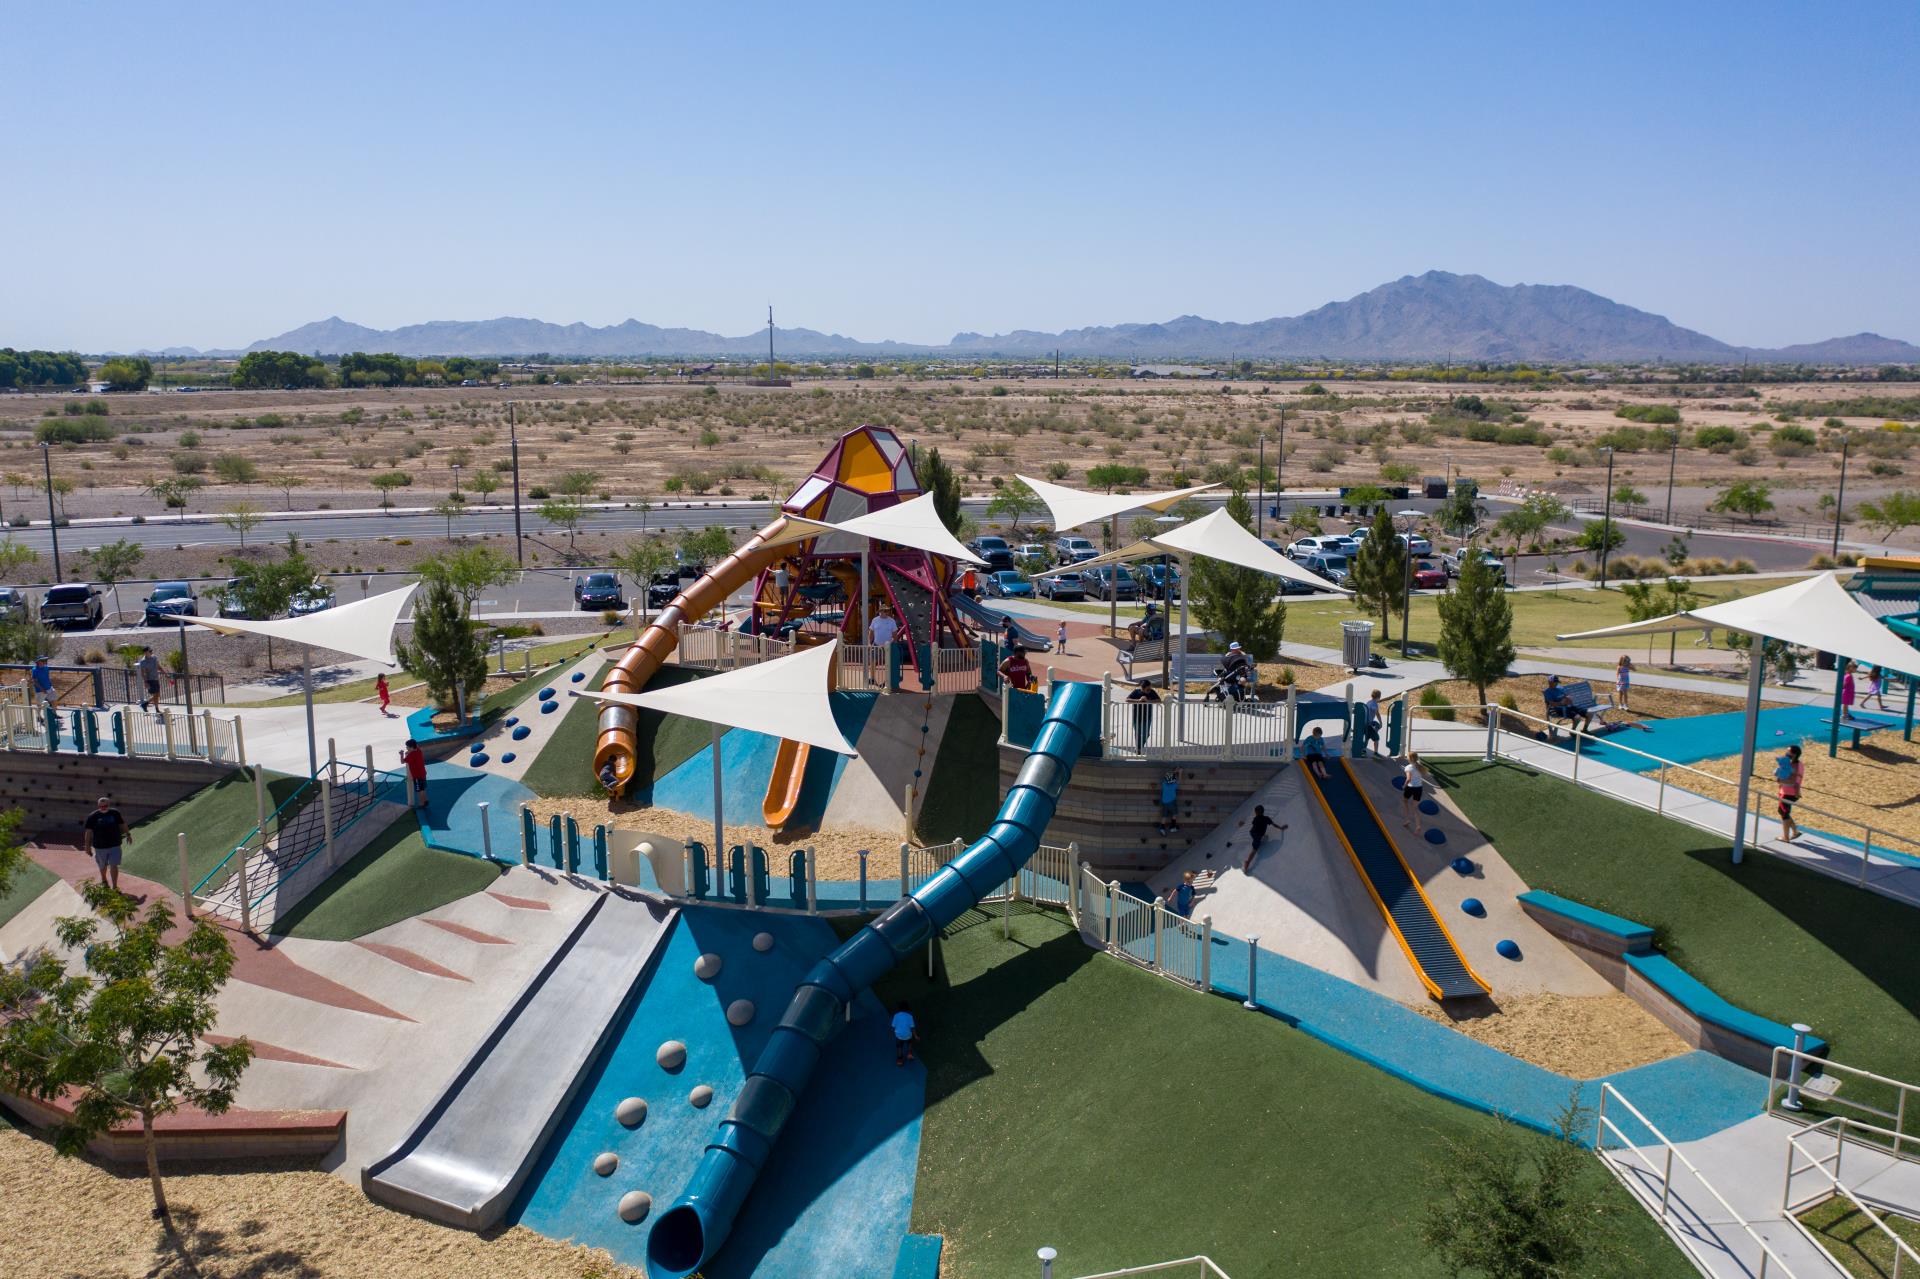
784	785
616	747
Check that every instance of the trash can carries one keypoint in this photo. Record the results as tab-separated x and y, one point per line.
1356	644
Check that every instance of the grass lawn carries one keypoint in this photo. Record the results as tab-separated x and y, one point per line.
1538	616
1856	1243
1078	1102
963	788
215	818
393	878
32	880
1783	942
664	742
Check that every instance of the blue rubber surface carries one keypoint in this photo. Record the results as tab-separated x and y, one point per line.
452	824
1636	936
1692	738
834	1198
1693	995
746	763
1424	936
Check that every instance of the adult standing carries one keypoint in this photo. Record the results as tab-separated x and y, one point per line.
148	669
880	633
1142	699
42	683
106	834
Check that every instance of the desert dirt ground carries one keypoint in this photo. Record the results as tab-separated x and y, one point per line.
1584	1036
1877	786
243	1220
632	441
1646	702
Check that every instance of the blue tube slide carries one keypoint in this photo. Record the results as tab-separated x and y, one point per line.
688	1234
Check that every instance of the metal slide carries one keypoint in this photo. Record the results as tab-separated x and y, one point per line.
470	1153
617	745
688	1235
1429	947
994	623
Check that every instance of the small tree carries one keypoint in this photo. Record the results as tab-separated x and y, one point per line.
446	652
1751	498
642	560
287	482
173	493
1676	551
1014	502
1627	495
483	483
939	479
113	563
1476	627
387	482
1599	535
123	1038
13	854
1508	1206
264	589
704	546
14	557
1462	512
1113	475
576	483
1240	603
242	518
1892	513
1377	575
450	508
468	571
566	513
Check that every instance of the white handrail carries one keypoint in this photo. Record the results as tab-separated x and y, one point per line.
1203	1267
1837	1128
1664	1170
1786	1057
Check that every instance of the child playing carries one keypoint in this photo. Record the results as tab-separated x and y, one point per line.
1060	641
1257	835
1622	681
1790	773
380	691
1876	689
905	1032
1313	752
1170	802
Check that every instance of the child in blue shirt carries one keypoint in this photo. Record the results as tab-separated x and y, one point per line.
905	1032
1169	801
1314	753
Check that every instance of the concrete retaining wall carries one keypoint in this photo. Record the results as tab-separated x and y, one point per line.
58	791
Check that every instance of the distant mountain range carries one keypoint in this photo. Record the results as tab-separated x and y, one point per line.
1436	316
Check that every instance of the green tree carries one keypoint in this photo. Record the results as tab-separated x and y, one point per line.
242	518
1676	551
127	372
576	483
705	546
124	1037
263	588
287	482
446	651
21	642
566	513
113	563
1599	535
939	479
1892	512
1534	515
450	508
1751	498
13	854
468	572
14	558
1116	475
387	482
1014	502
273	370
1627	495
174	492
236	468
1378	574
1508	1206
483	483
1476	626
1240	603
642	560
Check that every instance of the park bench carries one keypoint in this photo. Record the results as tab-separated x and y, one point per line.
1857	725
1578	697
1150	653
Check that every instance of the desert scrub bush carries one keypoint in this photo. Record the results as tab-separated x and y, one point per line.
1436	704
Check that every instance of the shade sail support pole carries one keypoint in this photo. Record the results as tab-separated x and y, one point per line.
1756	675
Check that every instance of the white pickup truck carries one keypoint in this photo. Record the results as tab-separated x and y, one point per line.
1455	560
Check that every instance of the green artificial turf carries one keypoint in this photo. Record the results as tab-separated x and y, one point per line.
1077	1102
1777	940
31	880
662	742
215	818
963	788
1860	1247
395	877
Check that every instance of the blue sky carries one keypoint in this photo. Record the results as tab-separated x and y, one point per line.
211	174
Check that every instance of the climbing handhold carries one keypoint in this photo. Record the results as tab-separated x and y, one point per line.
1473	906
635	1205
478	760
546	694
763	942
548	708
701	1096
520	733
1435	835
605	1163
1429	807
512	720
1507	948
631	1112
1462	865
671	1055
577	676
707	967
507	758
1398	782
740	1012
474	748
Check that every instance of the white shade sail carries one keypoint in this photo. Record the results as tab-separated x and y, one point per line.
786	697
1817	613
1142	550
1071	508
362	629
1219	536
912	523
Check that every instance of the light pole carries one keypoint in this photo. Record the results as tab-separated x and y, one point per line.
53	525
1606	523
1673	456
1406	596
513	440
1260	490
456	479
1839	503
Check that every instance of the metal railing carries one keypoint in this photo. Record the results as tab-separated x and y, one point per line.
1144	932
709	648
1200	1267
1659	1166
1784	1087
124	731
1196	729
1801	1159
103	686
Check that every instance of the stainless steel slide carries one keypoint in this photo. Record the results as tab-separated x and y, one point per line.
467	1157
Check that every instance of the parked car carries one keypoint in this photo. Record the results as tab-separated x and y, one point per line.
1068	549
1455	560
1112	582
1007	584
71	605
669	583
315	599
994	550
1159	581
1034	553
598	592
1320	544
1328	565
1062	586
13	604
1420	545
1341	544
230	604
169	602
1428	576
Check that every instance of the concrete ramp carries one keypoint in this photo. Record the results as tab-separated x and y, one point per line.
465	1160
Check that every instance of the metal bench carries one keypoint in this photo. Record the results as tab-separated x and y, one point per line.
1578	697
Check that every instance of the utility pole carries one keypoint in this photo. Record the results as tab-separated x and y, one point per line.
1673	456
770	342
1260	490
1839	504
1606	524
53	524
513	440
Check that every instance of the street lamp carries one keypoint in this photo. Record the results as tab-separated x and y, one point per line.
1673	458
456	479
53	524
1606	522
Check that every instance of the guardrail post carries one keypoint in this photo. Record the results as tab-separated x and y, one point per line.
1206	954
333	763
526	835
186	878
1792	1099
207	725
1293	717
1106	707
1252	1001
486	827
240	741
1576	758
166	730
371	774
1003	712
863	879
813	879
1158	916
903	870
1106	938
1228	706
1493	732
326	813
1046	1256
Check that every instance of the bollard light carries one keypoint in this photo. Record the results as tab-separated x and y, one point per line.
1792	1099
1048	1254
1253	973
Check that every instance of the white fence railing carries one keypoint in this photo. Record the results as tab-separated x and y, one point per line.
1788	1067
1196	729
1803	1157
1655	1188
1144	933
162	734
1194	1267
710	648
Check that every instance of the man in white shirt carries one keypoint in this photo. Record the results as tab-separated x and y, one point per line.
880	633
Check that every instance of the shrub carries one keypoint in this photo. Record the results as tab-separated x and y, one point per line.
1654	414
538	492
1441	708
1717	439
79	430
610	618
